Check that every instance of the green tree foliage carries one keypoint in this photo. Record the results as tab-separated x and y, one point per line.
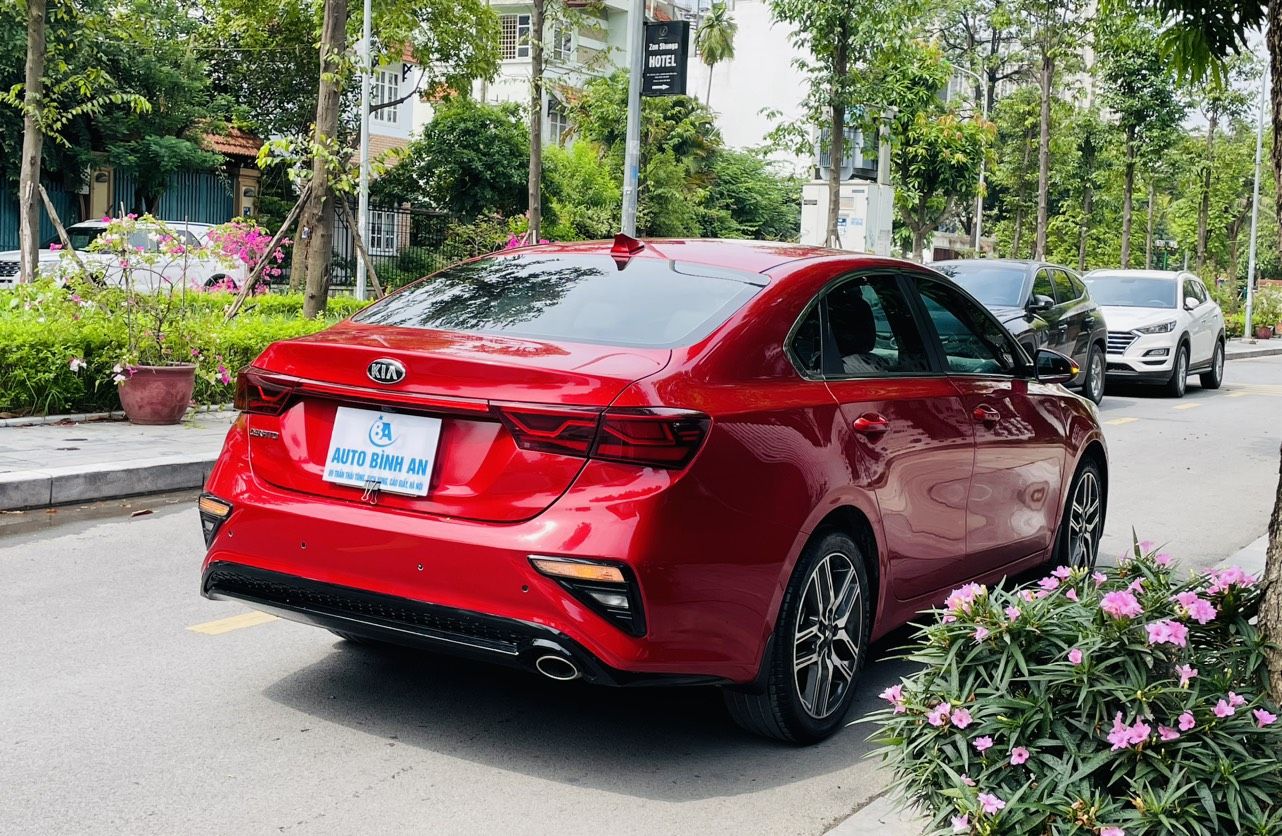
714	40
583	193
749	199
471	159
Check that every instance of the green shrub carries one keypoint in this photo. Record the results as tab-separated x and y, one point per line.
1123	701
44	328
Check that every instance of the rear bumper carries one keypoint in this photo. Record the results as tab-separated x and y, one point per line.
411	623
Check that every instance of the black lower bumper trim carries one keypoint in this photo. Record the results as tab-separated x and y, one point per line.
388	618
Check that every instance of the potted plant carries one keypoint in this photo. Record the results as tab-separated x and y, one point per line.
157	373
1266	314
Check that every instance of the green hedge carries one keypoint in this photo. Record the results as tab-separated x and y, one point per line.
42	329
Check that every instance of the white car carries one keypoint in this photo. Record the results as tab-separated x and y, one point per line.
1162	327
202	272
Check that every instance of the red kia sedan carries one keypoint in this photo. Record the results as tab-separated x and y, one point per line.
661	462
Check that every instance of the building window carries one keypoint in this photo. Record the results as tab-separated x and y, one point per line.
562	44
382	232
386	88
514	40
558	121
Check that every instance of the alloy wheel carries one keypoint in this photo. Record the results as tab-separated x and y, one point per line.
1181	371
1084	517
828	635
1096	379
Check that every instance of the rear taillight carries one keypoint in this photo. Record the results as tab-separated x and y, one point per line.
651	437
654	437
262	392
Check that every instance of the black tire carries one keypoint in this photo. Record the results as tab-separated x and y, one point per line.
1178	384
777	708
1066	551
1093	383
1214	378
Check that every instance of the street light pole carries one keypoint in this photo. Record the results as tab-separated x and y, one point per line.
362	194
979	198
1255	203
632	150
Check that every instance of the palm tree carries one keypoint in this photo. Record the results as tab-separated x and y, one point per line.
715	39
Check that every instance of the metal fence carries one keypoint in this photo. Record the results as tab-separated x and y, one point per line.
405	243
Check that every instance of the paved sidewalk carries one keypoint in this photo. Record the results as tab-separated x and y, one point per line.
67	462
1239	349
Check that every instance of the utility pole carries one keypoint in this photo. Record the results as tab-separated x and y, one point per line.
1255	203
362	198
979	198
632	150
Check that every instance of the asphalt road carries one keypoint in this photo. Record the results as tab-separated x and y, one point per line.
128	704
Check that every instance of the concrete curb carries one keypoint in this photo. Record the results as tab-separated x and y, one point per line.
82	417
25	489
1244	351
883	816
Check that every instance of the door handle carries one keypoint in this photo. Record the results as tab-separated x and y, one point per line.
987	414
871	423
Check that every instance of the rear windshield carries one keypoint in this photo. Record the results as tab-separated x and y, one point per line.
1123	291
650	303
996	285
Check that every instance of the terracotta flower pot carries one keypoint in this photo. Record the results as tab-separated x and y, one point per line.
158	394
1264	332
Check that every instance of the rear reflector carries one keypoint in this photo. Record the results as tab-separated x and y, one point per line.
651	437
608	589
262	392
559	567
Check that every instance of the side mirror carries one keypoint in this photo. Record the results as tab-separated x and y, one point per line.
1053	367
1190	303
1040	303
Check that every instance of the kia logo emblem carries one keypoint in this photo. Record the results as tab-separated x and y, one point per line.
384	370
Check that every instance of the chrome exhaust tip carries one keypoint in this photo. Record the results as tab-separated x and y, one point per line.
557	667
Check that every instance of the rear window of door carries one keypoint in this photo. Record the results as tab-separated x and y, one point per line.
645	303
972	341
1064	290
873	331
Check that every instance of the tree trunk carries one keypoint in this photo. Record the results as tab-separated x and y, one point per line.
1044	155
1204	207
1148	235
1018	234
535	210
316	223
1084	231
707	97
836	144
1273	38
1128	198
1271	605
32	144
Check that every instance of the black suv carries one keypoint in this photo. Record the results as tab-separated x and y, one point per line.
1043	306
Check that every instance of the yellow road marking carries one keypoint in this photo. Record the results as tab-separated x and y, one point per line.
1117	422
1237	394
236	622
1187	406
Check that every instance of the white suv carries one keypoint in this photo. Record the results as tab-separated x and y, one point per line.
201	272
1163	326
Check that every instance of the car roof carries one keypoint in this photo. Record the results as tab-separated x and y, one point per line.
742	255
1013	262
99	223
1140	274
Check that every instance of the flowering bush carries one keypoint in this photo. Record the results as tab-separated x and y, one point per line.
1121	702
247	242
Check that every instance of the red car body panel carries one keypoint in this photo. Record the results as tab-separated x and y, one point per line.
712	545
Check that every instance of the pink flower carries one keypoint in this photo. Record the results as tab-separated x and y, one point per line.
1202	611
1111	831
1136	586
1026	594
1075	656
1099	578
1018	755
1139	732
1062	572
1225	579
959	600
1012	613
76	364
1041	593
1167	632
895	696
1121	605
1223	709
961	824
1123	736
1264	718
119	378
1071	594
1162	559
967	780
131	216
961	718
1146	546
1167	733
1235	700
939	715
1050	584
1186	673
53	248
983	744
981	633
1186	721
947	619
990	803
